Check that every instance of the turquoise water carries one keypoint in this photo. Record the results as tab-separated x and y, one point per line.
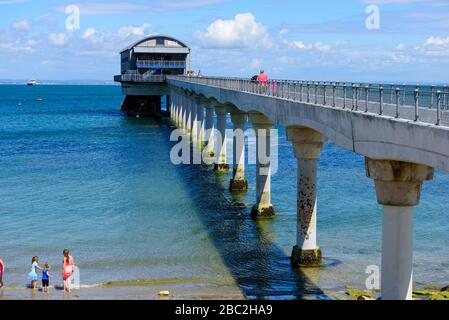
75	173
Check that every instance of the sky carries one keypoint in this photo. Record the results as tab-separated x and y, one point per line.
328	40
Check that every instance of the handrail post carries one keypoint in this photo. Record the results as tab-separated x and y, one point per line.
431	96
438	107
316	93
295	91
381	100
308	93
417	104
445	97
398	99
324	100
366	97
344	95
353	96
333	95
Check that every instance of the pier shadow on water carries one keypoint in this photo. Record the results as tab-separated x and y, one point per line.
261	269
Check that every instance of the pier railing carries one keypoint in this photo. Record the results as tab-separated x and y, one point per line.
381	99
160	64
139	78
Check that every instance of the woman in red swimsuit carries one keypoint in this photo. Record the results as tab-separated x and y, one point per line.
67	269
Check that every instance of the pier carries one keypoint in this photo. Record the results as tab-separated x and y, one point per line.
401	130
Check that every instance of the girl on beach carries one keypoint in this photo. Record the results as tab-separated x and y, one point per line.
32	276
46	278
2	270
67	269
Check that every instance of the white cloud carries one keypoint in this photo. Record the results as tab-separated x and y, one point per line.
300	45
321	47
21	25
401	47
89	33
437	41
286	60
127	31
58	39
15	47
297	44
255	63
241	32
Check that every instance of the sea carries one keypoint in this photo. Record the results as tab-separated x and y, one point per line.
76	173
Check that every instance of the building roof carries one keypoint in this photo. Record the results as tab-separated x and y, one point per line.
154	37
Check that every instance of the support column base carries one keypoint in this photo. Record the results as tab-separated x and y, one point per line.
238	185
306	258
221	168
260	213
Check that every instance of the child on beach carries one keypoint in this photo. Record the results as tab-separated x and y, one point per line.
67	269
32	276
2	270
46	278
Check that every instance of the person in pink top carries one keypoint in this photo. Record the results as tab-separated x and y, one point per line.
67	269
262	78
2	271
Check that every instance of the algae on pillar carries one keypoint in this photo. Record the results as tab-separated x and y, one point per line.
200	121
221	165
398	189
184	116
307	145
209	130
194	117
263	209
239	182
189	117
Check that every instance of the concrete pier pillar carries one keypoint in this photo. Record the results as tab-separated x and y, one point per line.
263	209
239	182
398	189
307	145
209	130
194	117
175	108
189	115
222	163
169	105
180	111
200	122
184	116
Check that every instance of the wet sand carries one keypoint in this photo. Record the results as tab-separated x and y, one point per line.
185	291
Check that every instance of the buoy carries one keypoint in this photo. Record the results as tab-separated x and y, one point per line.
164	293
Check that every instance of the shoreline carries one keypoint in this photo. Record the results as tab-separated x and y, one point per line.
151	289
129	290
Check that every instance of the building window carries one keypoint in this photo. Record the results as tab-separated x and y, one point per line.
160	41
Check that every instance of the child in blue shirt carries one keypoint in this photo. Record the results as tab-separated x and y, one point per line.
46	278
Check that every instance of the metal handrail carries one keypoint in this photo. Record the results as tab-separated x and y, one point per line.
364	97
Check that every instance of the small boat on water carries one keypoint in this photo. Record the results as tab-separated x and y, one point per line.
32	83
